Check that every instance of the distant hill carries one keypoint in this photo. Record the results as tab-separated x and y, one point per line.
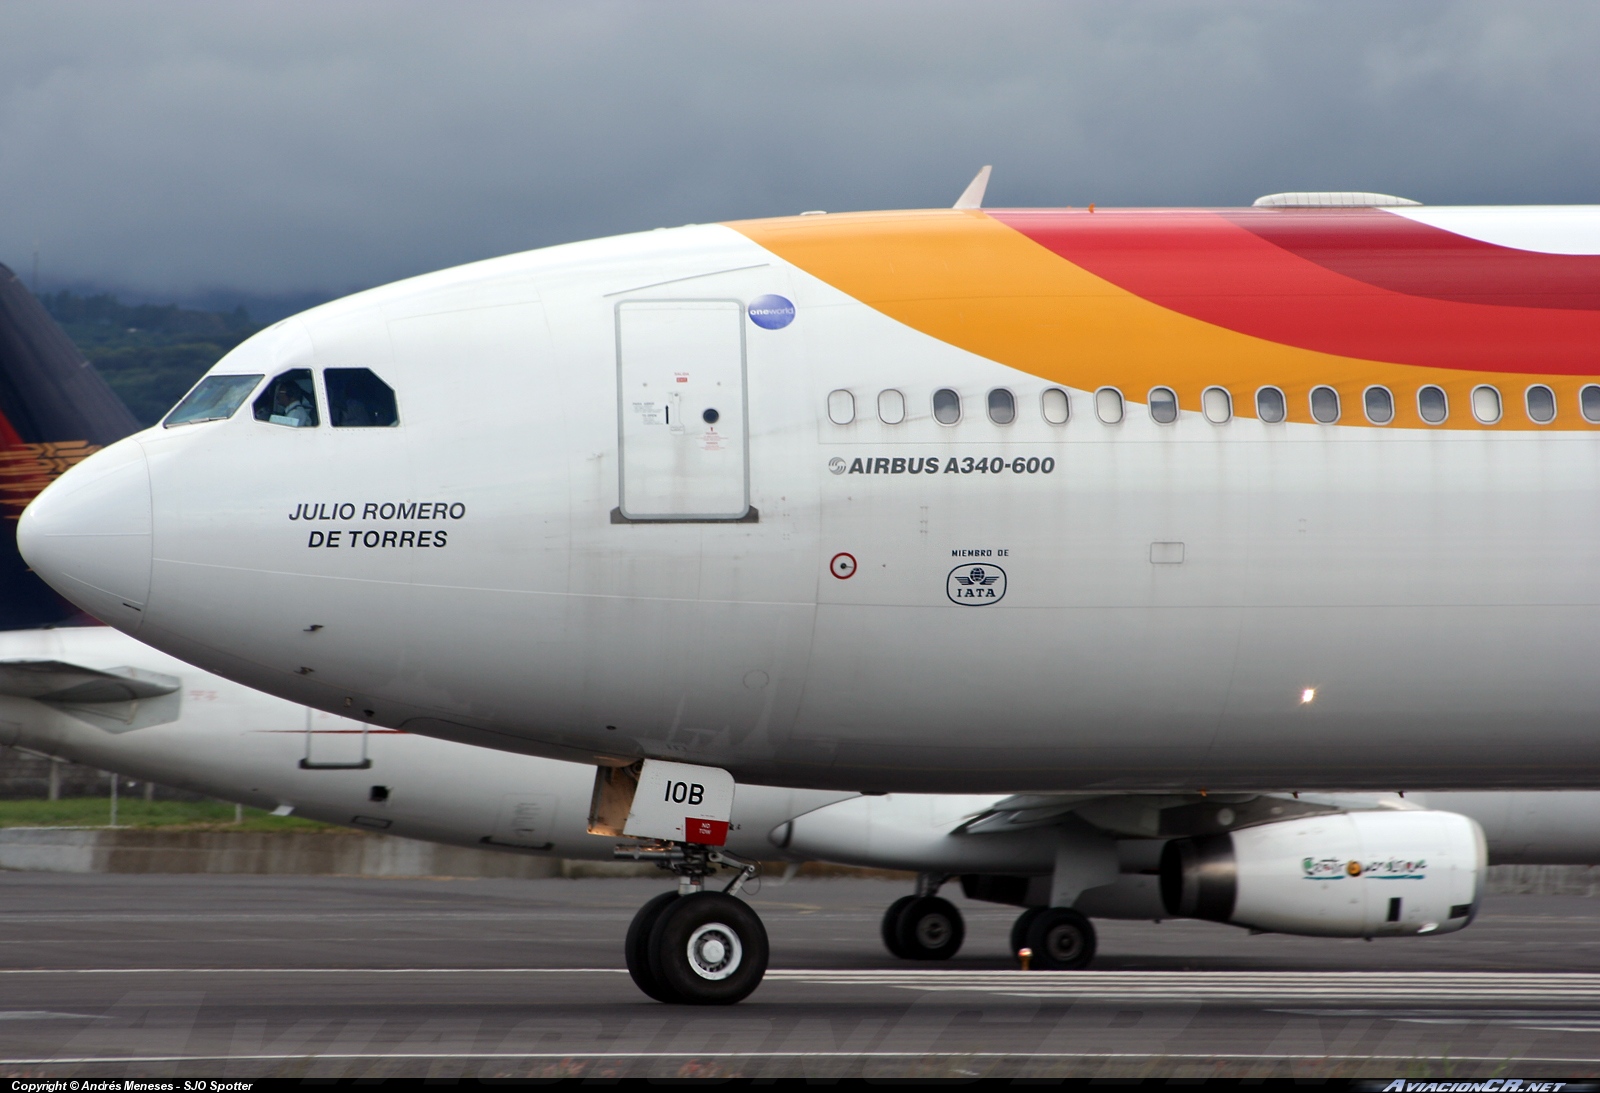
149	355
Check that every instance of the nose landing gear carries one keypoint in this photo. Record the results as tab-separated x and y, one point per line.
694	947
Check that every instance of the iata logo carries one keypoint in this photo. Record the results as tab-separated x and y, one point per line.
976	585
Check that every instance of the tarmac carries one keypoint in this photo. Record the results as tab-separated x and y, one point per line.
211	977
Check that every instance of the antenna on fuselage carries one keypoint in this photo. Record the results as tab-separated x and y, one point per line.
972	196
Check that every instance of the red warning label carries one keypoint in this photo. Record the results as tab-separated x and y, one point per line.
705	832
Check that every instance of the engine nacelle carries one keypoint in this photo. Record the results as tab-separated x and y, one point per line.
1352	874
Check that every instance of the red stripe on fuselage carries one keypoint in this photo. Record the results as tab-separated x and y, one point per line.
1391	252
1212	267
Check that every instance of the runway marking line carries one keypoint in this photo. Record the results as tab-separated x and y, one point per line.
1473	989
558	1055
309	971
1389	987
1216	983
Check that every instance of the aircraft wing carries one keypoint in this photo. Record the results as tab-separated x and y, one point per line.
1156	815
60	681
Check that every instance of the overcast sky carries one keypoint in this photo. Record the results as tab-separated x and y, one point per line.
179	149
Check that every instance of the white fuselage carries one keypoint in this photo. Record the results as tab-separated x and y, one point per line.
1185	606
216	737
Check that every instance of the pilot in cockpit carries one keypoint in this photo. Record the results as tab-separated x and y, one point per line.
291	404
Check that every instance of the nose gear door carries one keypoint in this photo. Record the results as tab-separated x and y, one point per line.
681	433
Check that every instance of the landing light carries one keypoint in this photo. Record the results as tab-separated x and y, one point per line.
1307	695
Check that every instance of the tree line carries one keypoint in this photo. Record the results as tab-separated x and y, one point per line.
149	354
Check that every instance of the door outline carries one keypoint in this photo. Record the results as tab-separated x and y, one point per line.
749	516
504	824
307	763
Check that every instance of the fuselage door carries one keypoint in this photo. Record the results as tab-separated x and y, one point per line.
334	742
524	822
681	418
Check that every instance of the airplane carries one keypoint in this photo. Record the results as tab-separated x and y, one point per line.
93	695
1164	507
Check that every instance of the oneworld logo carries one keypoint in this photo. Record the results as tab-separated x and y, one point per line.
771	312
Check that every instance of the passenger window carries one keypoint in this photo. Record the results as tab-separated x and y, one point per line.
1270	406
1589	404
1432	404
1380	405
1541	404
290	399
1108	405
1325	405
1055	406
214	398
1002	406
891	407
1486	404
1163	405
946	406
358	399
1217	405
841	407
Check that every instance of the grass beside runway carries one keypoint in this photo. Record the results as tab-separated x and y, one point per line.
137	812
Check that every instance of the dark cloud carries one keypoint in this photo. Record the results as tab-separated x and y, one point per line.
291	147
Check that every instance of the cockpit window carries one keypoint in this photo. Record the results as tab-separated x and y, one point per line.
214	398
290	399
358	399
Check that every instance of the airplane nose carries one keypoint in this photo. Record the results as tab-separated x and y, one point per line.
88	535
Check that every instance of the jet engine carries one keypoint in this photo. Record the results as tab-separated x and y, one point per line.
1353	874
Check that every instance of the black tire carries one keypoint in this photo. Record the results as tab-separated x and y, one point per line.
891	922
930	928
1061	940
1019	928
636	949
708	949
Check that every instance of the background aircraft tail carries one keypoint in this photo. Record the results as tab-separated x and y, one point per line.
54	410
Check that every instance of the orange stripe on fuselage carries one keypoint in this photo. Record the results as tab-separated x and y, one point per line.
966	279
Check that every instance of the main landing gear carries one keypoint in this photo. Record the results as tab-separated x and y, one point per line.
1061	939
923	926
693	946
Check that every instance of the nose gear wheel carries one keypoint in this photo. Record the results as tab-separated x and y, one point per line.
636	948
708	949
694	947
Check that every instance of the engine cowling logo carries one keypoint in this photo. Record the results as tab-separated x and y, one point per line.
975	585
1386	869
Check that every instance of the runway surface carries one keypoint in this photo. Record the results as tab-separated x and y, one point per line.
237	977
